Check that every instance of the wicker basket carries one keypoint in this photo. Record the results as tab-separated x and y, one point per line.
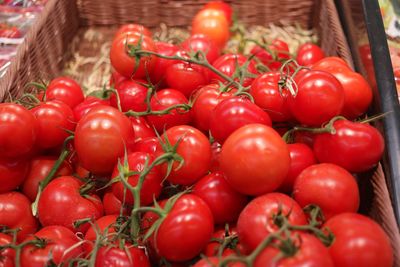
44	52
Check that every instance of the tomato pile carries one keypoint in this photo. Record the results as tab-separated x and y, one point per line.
192	157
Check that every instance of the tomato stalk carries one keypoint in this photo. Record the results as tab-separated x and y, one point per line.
287	81
38	242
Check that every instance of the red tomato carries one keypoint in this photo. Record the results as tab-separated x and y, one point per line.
116	79
151	188
194	148
328	186
256	221
310	252
149	145
38	170
15	213
164	99
132	96
228	65
62	203
59	248
84	107
278	52
201	42
234	247
359	242
320	97
53	119
233	113
101	137
65	90
16	140
157	76
126	64
105	226
225	203
214	261
331	64
12	173
121	257
222	6
216	152
365	151
141	128
7	255
267	159
112	205
133	28
301	157
308	54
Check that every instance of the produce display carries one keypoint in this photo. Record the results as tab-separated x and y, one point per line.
193	155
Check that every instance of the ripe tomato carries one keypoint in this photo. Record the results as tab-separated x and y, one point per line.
164	99
59	247
15	140
126	64
149	145
331	65
359	241
224	202
308	54
53	119
256	220
194	148
101	137
121	257
84	107
328	186
220	5
234	247
133	28
216	152
141	128
365	151
233	113
278	52
214	261
310	252
157	76
151	188
132	96
116	79
112	205
15	213
320	97
62	203
201	42
7	255
65	90
104	226
12	173
255	159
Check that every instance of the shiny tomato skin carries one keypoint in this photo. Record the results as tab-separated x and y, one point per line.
200	42
149	145
308	54
133	28
12	173
53	119
101	137
233	113
214	261
66	90
118	257
195	149
141	128
320	97
15	212
164	99
84	107
124	63
7	255
39	168
157	76
328	186
221	5
224	202
365	151
62	204
132	96
331	65
359	242
16	141
256	220
266	163
112	205
60	247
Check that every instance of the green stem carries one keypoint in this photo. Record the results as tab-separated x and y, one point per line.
185	108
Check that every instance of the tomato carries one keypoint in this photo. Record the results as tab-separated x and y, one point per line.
278	52
201	42
150	145
310	252
62	203
112	205
164	99
233	113
228	64
121	257
53	119
16	141
365	151
185	230
331	64
301	157
194	148
308	54
15	213
233	247
265	91
101	137
256	221
116	79
12	173
255	159
216	152
359	241
141	128
320	97
151	188
132	96
328	186
7	255
225	203
157	76
133	28
206	99
214	261
126	64
212	23
84	107
104	226
59	247
220	5
66	90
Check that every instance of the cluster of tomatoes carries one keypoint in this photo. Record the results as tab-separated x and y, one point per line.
182	162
